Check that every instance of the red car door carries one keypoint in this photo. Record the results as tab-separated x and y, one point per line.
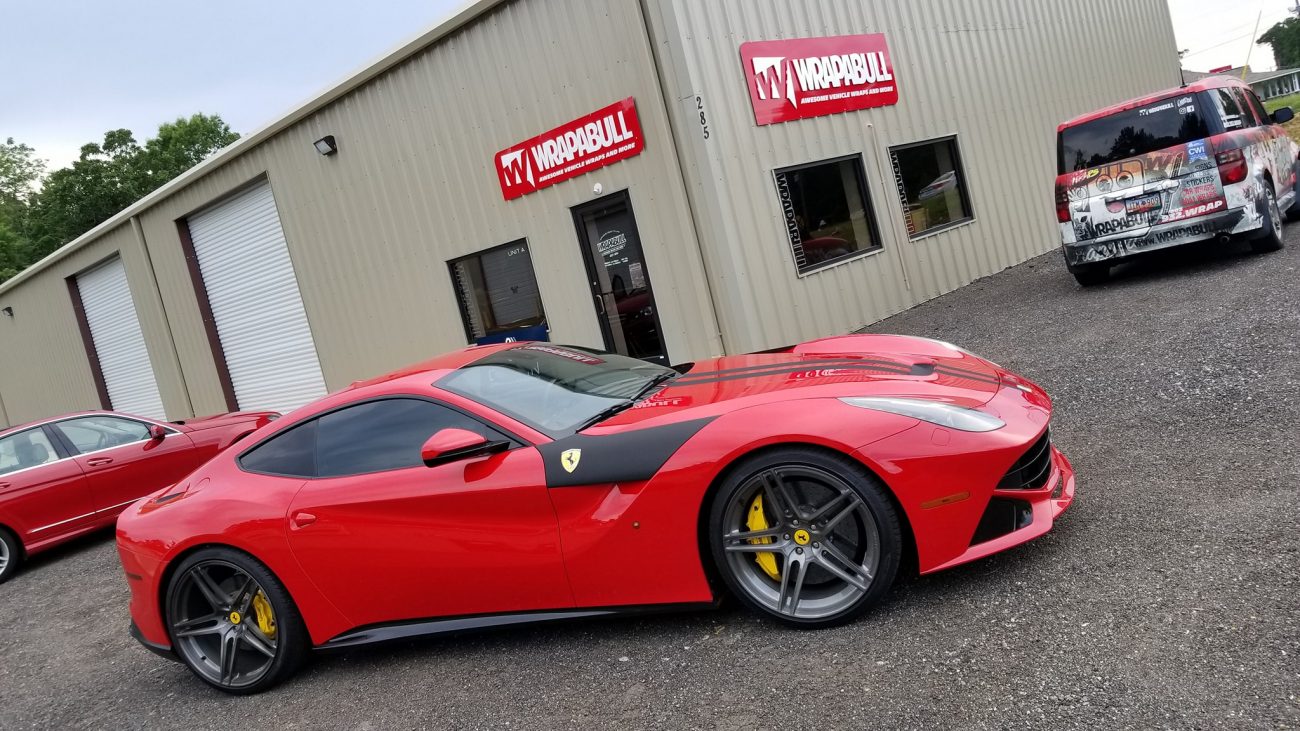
43	493
386	538
122	462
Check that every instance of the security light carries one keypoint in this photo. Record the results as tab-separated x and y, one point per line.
326	145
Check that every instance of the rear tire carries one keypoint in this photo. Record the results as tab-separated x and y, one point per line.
1091	276
215	623
11	554
1272	239
834	535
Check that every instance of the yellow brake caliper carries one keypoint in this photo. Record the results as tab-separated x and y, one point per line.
758	521
265	616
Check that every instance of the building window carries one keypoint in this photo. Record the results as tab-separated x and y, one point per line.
931	185
498	295
827	215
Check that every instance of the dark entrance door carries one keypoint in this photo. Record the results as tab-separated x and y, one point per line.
620	281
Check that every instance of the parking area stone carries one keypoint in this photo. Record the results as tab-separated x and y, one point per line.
1168	596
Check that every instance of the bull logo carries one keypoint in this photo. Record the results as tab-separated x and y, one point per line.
516	168
771	73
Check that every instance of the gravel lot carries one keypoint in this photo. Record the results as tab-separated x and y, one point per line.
1167	596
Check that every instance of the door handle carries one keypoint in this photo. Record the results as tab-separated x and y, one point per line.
302	520
600	303
99	461
3	485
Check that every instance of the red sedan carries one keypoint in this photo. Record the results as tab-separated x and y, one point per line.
74	474
529	482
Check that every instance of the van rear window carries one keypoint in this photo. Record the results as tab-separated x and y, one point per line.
1173	121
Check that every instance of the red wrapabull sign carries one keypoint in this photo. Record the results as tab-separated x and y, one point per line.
811	77
588	143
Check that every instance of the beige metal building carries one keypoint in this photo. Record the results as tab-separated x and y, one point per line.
668	178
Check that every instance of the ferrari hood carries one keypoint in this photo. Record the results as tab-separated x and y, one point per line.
853	365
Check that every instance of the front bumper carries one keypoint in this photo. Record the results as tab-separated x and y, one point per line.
1044	506
1204	228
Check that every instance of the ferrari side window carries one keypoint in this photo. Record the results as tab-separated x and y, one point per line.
385	435
290	453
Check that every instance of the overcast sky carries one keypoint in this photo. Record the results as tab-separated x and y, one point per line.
72	69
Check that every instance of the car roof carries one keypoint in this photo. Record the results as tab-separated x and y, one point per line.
1209	82
435	368
72	415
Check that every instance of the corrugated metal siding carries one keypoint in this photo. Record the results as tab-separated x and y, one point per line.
118	340
999	74
265	337
43	366
370	229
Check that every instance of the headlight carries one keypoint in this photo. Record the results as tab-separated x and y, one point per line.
935	412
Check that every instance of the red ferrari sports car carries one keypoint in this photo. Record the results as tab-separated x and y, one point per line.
73	474
525	482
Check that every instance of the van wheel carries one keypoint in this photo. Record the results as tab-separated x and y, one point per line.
1091	276
1271	240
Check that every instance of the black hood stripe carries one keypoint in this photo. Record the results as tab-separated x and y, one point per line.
779	369
767	366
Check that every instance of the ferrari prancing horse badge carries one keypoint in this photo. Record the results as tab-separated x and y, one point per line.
569	459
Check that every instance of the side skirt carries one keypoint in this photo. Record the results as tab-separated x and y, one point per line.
398	631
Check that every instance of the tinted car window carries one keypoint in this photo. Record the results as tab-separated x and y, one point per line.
1175	120
290	453
91	433
384	435
1253	102
26	449
1229	109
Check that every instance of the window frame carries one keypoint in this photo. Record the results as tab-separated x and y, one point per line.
460	301
869	209
75	451
517	442
60	450
959	167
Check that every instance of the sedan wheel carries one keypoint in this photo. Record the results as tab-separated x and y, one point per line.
10	555
806	537
232	622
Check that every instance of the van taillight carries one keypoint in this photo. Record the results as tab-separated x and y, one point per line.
1062	204
1232	166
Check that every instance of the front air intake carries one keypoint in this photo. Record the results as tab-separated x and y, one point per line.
1031	471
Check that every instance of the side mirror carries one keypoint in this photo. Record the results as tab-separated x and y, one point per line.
156	432
453	445
1282	115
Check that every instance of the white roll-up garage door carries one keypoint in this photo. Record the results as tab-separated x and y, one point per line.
118	340
251	287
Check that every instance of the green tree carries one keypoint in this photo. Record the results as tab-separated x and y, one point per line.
20	173
111	175
1284	37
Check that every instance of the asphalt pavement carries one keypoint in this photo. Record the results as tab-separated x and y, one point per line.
1168	596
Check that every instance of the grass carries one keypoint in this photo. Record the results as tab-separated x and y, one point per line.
1292	100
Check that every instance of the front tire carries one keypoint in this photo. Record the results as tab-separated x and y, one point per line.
11	554
804	536
233	623
1271	240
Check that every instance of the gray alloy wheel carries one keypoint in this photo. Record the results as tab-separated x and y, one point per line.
232	622
806	538
11	554
1272	240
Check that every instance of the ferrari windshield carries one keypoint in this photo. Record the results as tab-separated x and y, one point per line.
556	389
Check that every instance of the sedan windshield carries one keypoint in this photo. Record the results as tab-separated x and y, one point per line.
555	389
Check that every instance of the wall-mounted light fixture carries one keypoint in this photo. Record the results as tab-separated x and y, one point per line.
326	145
8	311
